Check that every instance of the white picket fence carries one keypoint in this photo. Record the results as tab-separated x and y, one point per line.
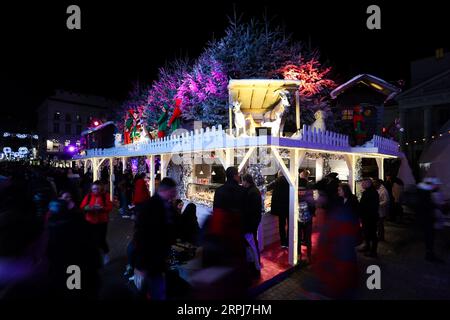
217	138
384	144
324	138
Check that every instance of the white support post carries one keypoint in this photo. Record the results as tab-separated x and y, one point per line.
229	158
124	164
293	207
85	169
284	169
297	111
380	164
151	160
230	114
351	165
246	157
319	169
95	166
222	158
165	159
111	179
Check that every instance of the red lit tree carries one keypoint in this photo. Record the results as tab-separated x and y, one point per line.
315	86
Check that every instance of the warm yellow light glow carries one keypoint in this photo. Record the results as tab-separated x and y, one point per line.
376	86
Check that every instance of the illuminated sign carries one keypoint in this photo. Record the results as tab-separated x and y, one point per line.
8	154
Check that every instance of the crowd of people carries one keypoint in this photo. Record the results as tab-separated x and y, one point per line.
51	218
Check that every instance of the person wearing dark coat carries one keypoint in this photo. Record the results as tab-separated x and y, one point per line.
227	218
253	205
280	205
71	243
368	209
349	202
252	218
224	249
188	226
154	234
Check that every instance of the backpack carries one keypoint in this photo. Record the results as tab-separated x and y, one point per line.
305	214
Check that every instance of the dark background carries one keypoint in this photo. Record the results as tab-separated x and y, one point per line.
124	41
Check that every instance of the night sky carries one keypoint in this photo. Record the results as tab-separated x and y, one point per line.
124	41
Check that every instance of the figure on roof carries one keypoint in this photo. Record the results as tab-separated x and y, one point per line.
175	120
162	122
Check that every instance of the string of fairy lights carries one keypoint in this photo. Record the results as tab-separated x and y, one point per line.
424	140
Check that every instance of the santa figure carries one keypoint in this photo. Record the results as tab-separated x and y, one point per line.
358	125
175	120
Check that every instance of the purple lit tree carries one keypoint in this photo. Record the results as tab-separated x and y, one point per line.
203	91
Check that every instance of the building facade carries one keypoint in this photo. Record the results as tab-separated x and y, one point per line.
63	116
424	109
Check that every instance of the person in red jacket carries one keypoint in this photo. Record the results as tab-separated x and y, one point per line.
97	206
141	192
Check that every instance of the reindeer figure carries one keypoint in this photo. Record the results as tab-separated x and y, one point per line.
279	110
239	118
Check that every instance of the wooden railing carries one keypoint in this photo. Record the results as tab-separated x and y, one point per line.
217	138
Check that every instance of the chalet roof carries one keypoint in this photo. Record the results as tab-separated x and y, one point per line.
372	82
436	83
103	125
259	94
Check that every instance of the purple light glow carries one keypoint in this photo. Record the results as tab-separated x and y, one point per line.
72	149
134	166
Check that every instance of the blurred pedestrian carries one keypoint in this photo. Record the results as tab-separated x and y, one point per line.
305	221
349	200
188	227
141	192
70	243
225	272
383	209
154	234
251	221
425	210
97	206
280	206
368	209
335	265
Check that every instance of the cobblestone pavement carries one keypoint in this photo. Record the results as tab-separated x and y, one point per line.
404	272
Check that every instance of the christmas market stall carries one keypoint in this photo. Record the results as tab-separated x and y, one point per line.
265	136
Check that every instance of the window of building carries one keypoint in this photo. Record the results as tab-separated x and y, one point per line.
56	127
68	117
78	118
68	128
57	115
52	145
66	143
78	129
78	143
347	114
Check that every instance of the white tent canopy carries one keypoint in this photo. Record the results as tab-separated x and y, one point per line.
435	160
